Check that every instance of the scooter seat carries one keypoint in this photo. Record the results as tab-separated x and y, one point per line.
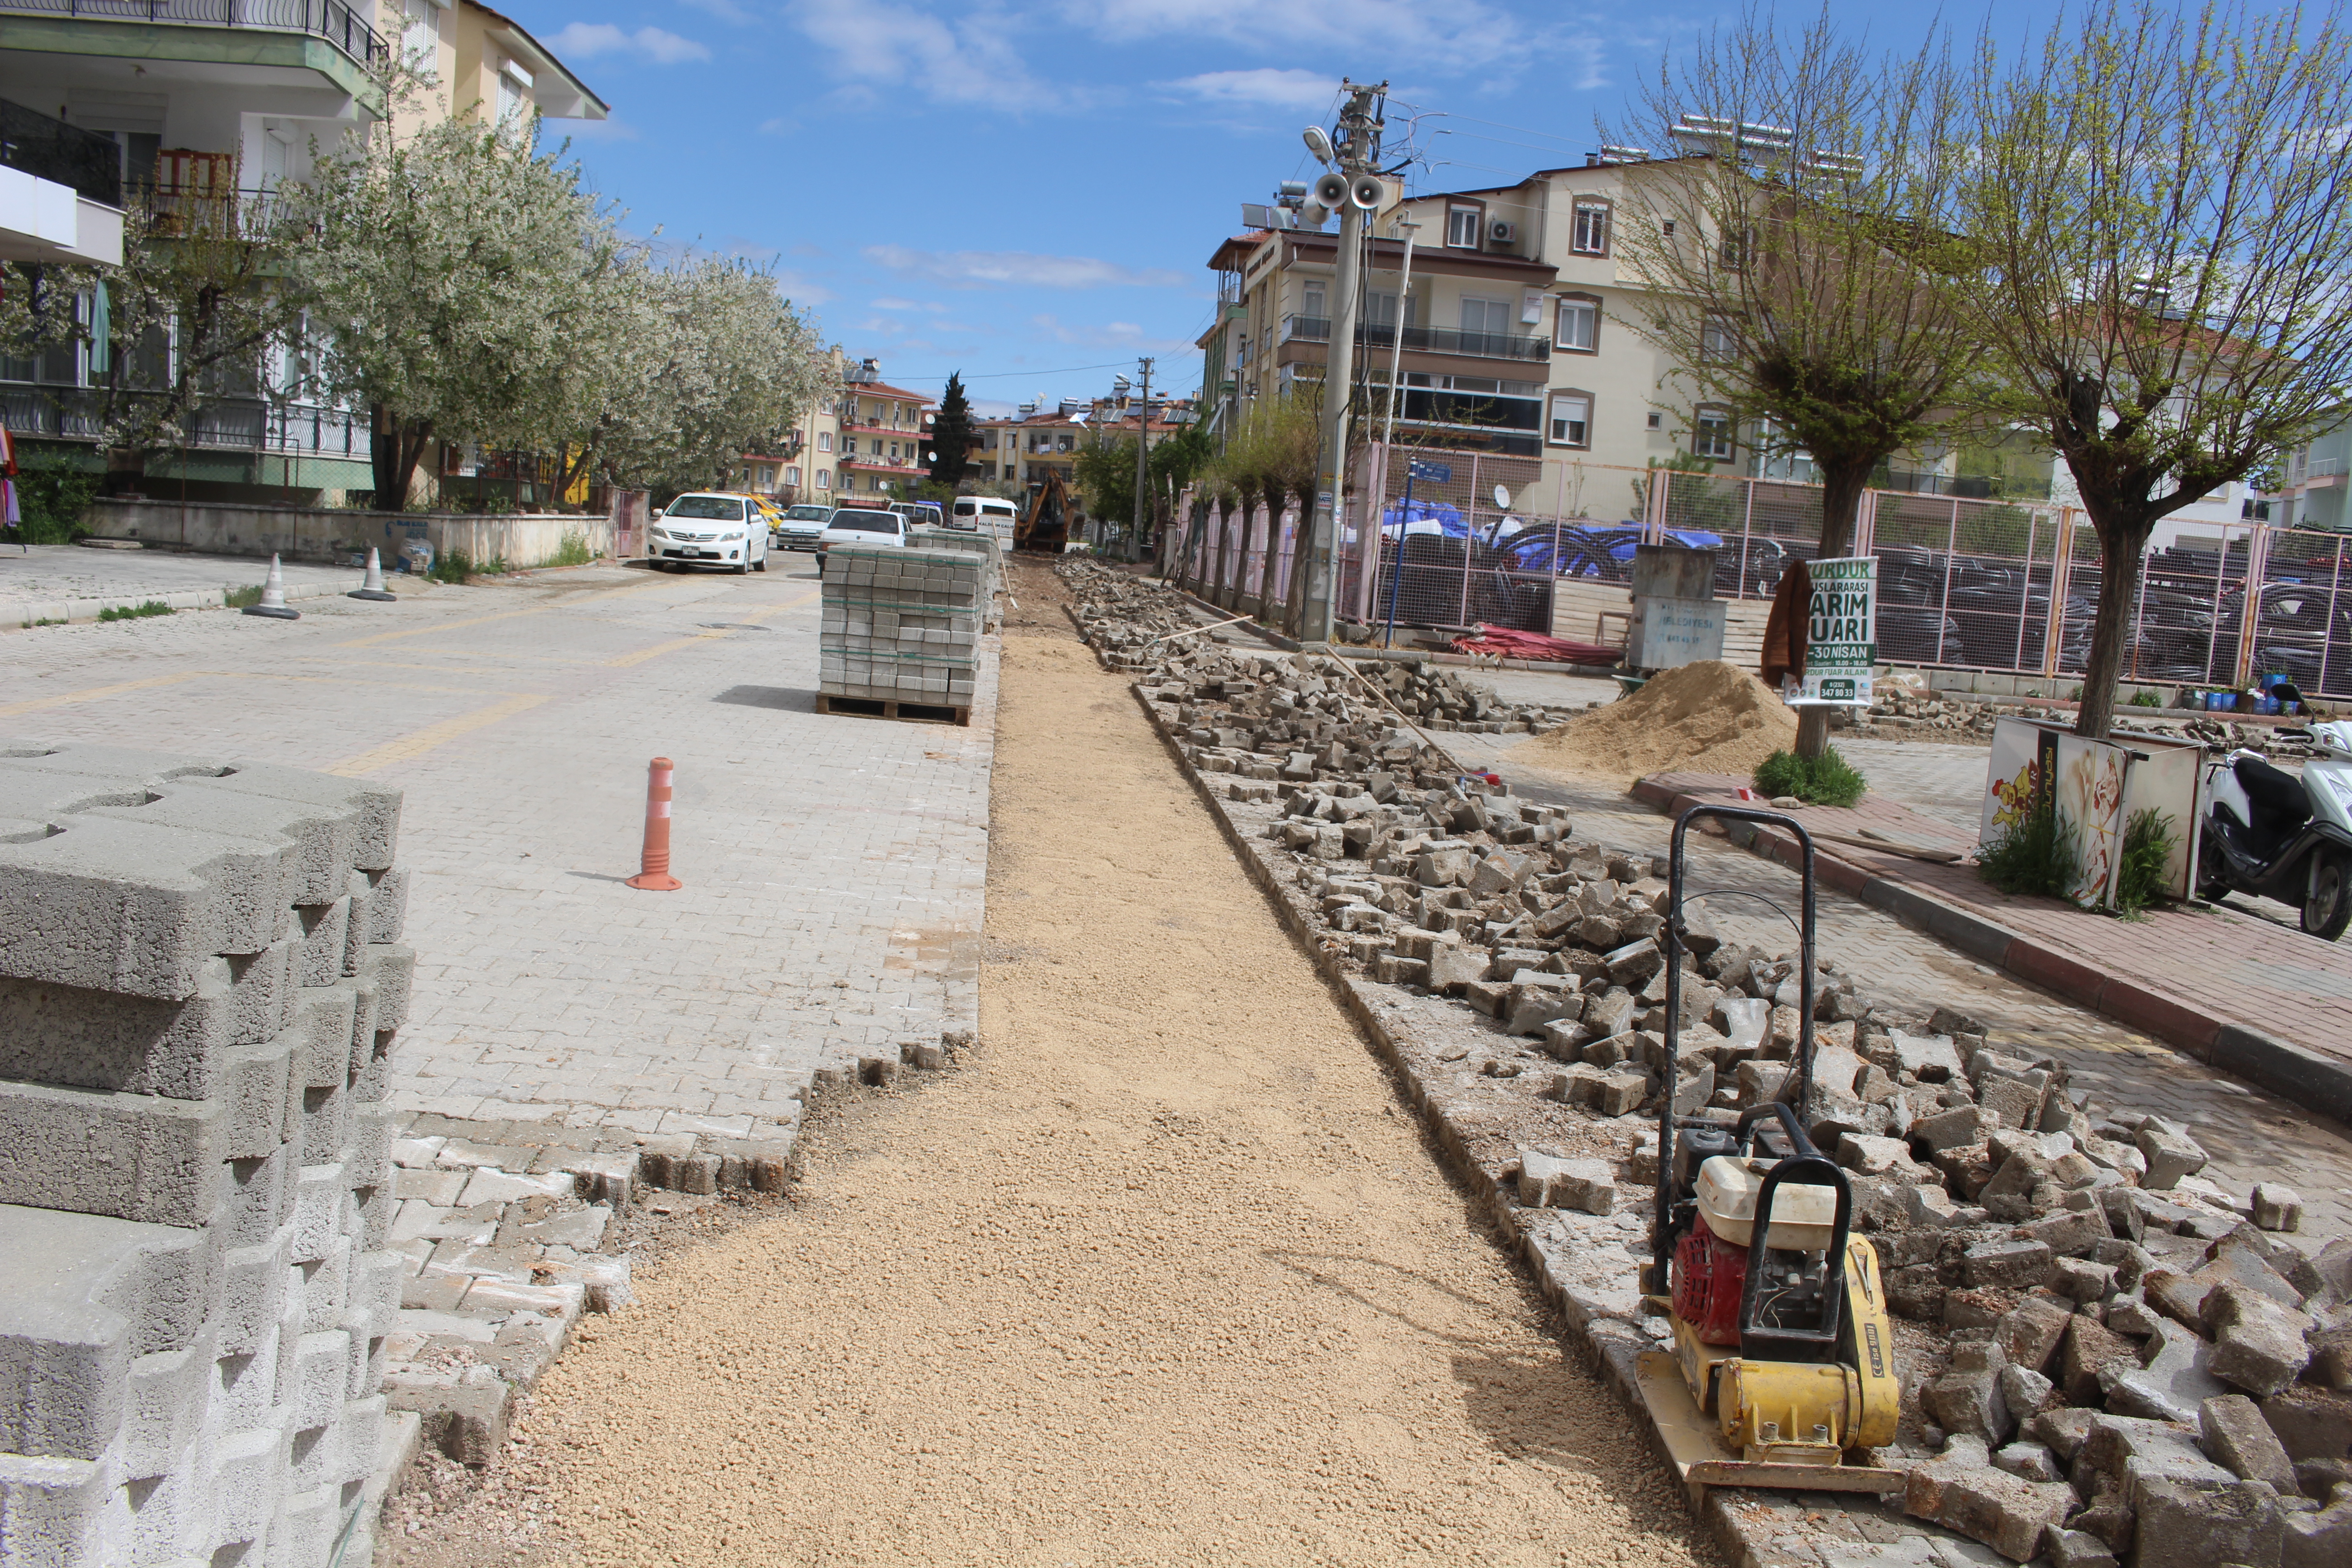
2280	804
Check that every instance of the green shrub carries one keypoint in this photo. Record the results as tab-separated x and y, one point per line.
1826	780
573	551
2148	842
52	495
2075	695
453	566
30	625
134	612
238	598
2035	855
2146	700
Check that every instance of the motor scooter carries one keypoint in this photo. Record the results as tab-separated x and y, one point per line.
2275	835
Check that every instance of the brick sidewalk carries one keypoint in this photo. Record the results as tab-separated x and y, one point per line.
2232	990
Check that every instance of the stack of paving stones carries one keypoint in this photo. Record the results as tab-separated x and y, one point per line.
200	981
2108	1357
902	624
982	545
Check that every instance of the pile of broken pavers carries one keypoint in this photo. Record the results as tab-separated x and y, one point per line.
2111	1357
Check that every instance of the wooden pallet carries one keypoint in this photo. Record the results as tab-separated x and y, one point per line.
881	708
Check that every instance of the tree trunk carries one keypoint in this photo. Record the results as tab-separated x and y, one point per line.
1294	609
397	446
2123	546
1841	488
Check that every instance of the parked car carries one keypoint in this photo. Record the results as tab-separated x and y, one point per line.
709	529
799	527
985	515
861	525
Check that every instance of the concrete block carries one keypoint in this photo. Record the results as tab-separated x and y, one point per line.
2174	1382
2259	1344
2312	1423
321	932
110	905
2029	1335
1968	1397
253	1281
373	810
323	1022
321	1373
141	1045
363	1424
324	1124
388	969
2235	1435
127	1156
2184	1524
259	1098
326	1285
166	1397
320	845
67	1511
2005	1265
2170	1153
249	1475
318	1210
2276	1207
375	1289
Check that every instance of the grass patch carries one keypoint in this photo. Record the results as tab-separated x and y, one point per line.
2148	842
238	598
573	551
2146	700
134	612
44	622
2033	855
456	566
1826	780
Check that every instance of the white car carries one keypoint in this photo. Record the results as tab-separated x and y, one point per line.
861	525
801	526
706	529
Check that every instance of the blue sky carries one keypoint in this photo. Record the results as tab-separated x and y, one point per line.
1028	190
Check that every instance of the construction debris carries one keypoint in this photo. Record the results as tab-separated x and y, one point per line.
2087	1302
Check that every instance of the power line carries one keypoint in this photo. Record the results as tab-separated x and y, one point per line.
1003	374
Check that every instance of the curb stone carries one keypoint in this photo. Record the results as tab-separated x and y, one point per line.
2315	1081
1755	1529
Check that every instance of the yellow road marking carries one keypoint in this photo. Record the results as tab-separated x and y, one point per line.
93	693
714	634
418	743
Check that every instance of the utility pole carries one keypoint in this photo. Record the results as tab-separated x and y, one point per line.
1142	463
1356	150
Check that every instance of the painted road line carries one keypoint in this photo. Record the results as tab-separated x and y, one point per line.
99	693
418	743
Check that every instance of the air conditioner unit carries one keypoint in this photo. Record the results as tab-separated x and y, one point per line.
1502	231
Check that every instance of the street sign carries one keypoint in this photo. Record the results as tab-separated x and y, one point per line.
1840	632
1429	473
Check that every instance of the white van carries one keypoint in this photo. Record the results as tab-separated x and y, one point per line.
709	529
976	513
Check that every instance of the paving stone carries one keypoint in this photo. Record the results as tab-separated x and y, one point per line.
2235	1435
2184	1524
2176	1380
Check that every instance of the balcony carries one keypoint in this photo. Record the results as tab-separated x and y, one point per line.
34	143
336	22
1522	348
228	424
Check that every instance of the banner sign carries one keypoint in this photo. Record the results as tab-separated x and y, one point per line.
1840	632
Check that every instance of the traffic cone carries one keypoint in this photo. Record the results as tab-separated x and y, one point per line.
273	596
373	587
653	874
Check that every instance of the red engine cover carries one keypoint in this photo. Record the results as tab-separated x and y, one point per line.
1709	1274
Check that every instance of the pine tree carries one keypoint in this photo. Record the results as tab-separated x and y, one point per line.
951	435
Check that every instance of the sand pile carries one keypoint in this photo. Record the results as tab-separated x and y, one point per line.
1709	717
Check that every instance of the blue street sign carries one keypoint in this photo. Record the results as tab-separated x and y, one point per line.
1434	473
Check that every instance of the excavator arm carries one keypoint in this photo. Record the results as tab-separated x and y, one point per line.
1046	526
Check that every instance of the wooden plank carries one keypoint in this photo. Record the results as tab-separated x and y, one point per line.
890	708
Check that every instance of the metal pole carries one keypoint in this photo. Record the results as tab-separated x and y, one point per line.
1142	462
1396	571
1339	375
1396	348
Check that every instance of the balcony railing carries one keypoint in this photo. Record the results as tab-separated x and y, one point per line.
62	154
332	20
228	424
1519	346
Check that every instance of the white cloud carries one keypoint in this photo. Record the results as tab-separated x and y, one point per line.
1021	267
587	40
897	304
968	60
725	10
1125	336
1265	88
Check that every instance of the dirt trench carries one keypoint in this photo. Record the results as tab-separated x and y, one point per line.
1165	1274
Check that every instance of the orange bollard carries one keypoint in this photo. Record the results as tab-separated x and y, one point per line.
654	876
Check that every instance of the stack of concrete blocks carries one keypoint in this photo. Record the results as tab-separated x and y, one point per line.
979	544
199	983
902	624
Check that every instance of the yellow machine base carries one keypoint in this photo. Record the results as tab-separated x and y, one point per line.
1694	1441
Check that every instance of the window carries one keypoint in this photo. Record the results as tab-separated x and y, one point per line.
1571	419
1590	236
825	440
1579	323
791	473
1010	474
1717	341
1486	316
1736	249
1463	225
894	447
1711	433
1314	301
1656	421
1379	308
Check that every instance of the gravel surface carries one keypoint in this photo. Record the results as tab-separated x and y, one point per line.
1163	1274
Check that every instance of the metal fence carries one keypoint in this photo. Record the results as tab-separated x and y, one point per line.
337	22
229	424
1964	583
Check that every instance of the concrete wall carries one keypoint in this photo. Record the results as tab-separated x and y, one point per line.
298	534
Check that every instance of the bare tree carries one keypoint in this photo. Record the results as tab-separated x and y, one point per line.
2164	207
1794	262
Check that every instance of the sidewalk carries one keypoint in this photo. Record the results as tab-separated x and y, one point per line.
2239	992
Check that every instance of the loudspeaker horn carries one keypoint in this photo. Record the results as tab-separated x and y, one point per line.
1366	192
1331	189
1313	215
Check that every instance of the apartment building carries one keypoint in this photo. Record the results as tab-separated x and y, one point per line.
1024	450
188	108
884	431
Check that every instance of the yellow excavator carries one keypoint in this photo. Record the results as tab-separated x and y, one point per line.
1046	526
1782	1371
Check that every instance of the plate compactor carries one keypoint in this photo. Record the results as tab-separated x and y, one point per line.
1782	1373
